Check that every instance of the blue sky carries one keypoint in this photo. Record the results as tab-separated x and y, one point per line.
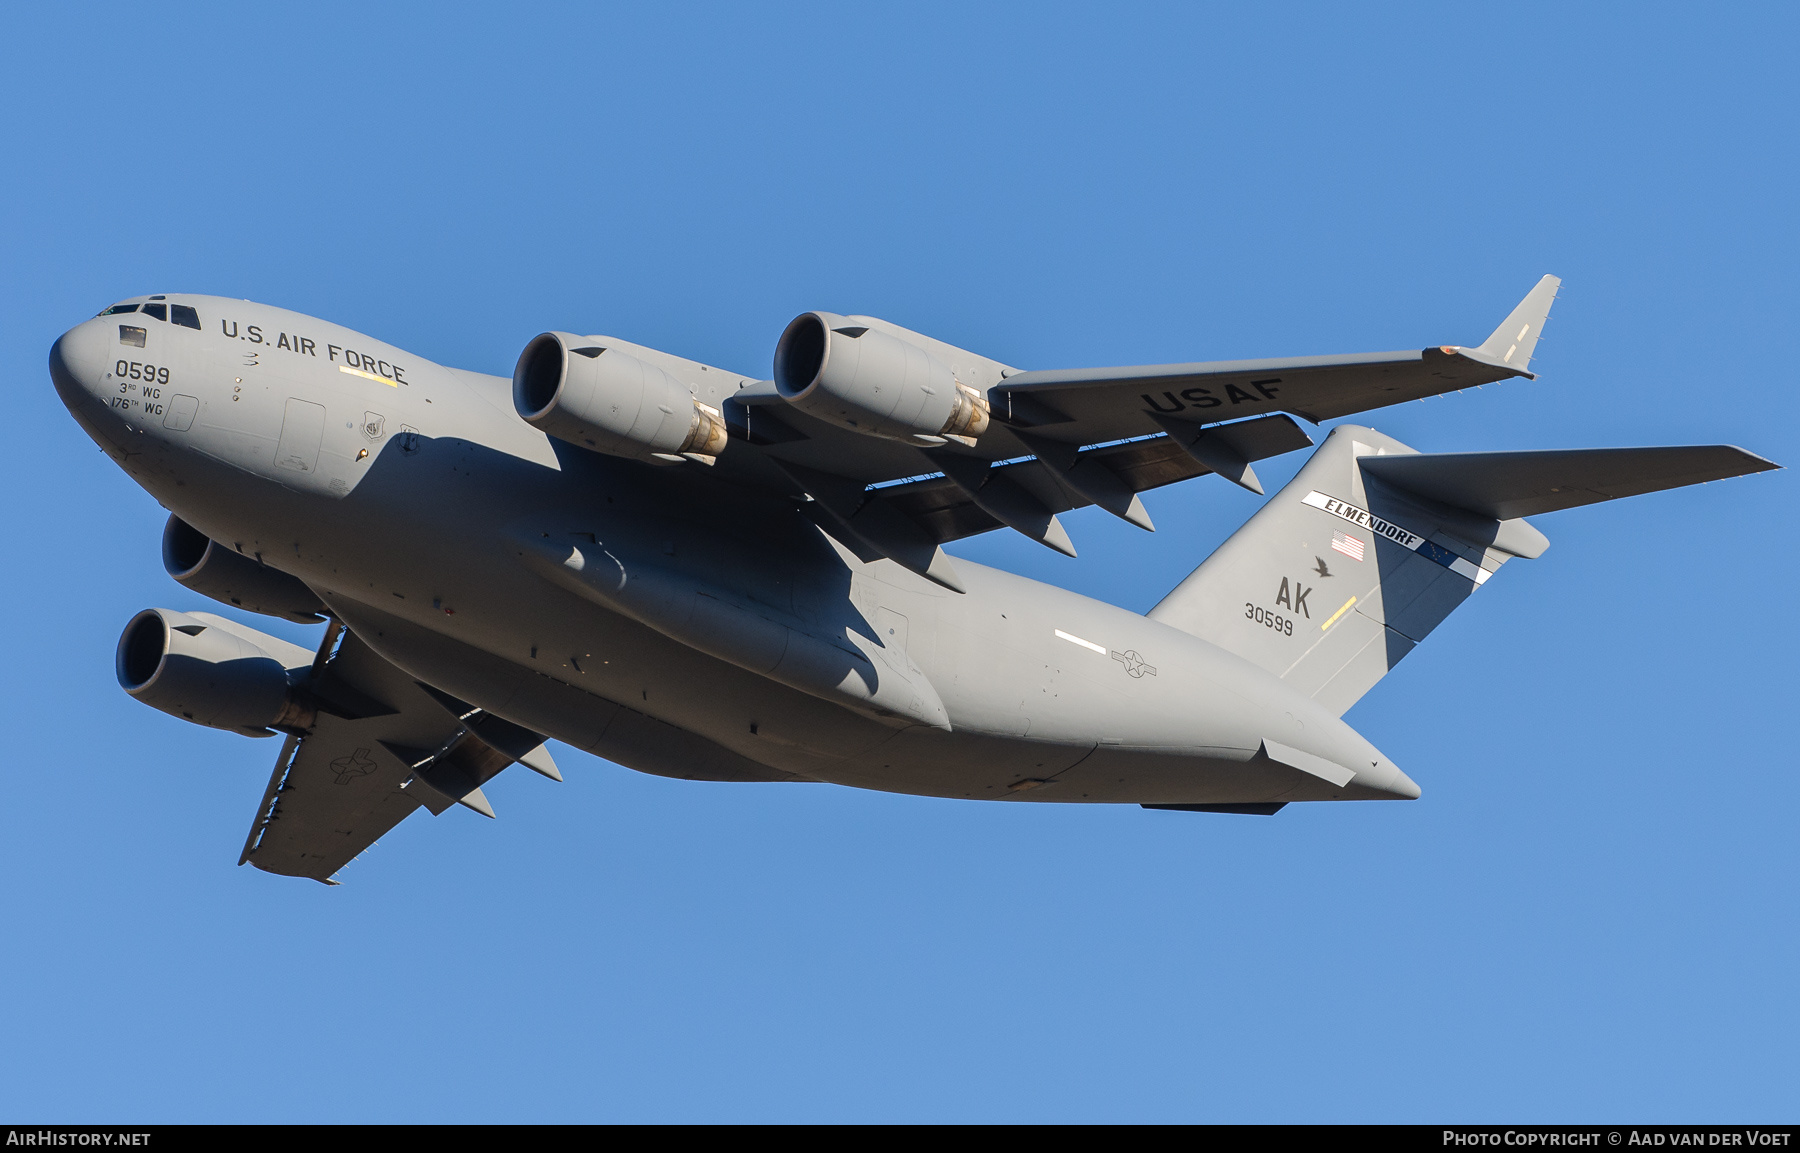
1591	912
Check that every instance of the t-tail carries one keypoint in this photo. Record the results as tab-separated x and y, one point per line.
1373	544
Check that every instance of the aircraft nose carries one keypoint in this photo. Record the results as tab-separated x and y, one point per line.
77	361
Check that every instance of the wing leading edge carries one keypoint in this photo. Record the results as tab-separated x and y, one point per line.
1114	403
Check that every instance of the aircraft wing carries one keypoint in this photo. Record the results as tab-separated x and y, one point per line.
1065	439
382	746
1112	403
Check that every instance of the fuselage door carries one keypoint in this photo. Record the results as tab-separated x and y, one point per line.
302	431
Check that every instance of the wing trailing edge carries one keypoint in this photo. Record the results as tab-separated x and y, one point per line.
358	772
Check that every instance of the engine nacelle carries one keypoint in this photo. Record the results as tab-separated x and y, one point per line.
612	402
860	378
203	669
212	570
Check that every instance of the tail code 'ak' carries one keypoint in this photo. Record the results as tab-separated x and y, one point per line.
1373	544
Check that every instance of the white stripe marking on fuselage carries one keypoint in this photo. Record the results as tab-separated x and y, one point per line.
1101	649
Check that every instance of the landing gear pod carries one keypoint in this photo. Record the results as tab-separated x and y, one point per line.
191	666
609	401
848	374
212	570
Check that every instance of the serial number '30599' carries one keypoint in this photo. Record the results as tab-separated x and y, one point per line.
131	369
1269	620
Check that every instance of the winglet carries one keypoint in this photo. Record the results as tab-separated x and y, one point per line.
1512	343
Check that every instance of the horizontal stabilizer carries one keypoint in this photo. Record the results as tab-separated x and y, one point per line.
1507	485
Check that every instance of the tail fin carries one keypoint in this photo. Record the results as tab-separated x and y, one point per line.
1373	544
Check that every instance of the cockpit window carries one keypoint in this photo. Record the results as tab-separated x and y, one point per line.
117	309
183	315
159	311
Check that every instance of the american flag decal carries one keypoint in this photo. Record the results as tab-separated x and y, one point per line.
1404	537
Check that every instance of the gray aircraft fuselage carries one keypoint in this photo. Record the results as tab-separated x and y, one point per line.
432	520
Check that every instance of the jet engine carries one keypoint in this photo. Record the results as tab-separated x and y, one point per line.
609	401
203	669
848	374
212	570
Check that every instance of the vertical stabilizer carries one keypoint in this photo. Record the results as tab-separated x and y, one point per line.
1341	574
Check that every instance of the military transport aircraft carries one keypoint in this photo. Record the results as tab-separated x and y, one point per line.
705	575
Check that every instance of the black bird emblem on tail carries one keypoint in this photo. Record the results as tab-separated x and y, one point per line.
1324	569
